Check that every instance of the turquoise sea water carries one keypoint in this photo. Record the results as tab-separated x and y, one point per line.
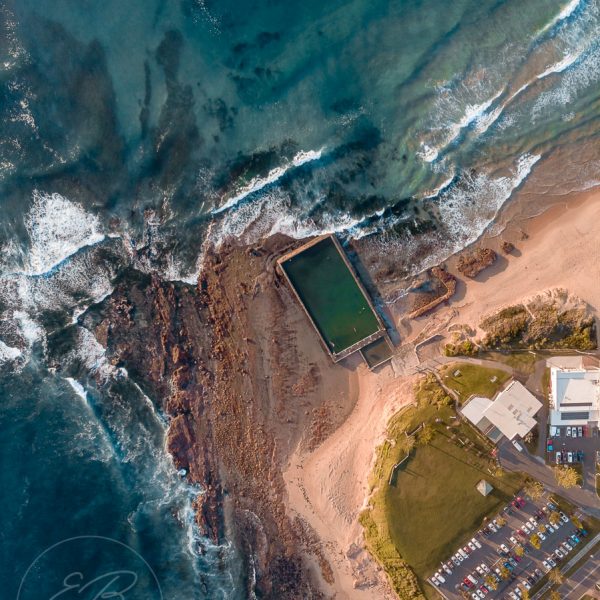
132	133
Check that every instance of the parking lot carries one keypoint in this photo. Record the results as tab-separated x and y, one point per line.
582	448
486	557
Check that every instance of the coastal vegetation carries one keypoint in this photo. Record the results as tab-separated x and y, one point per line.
424	499
553	320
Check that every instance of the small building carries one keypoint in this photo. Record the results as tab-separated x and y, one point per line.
484	488
511	414
574	396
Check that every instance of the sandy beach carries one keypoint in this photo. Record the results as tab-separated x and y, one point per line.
328	486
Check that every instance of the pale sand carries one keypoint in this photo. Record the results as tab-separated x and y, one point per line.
329	487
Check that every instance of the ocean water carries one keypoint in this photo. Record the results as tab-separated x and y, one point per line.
134	133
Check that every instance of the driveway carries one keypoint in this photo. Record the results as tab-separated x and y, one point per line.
513	460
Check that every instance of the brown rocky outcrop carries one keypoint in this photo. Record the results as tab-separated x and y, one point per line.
472	263
230	364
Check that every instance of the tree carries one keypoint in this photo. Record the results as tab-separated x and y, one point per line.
576	522
501	521
535	541
554	595
555	576
524	592
407	443
518	550
490	581
426	435
534	489
566	477
554	518
504	572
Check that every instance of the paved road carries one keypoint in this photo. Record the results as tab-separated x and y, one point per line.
514	460
583	580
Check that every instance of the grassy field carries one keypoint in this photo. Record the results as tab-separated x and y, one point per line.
431	505
522	362
473	379
434	505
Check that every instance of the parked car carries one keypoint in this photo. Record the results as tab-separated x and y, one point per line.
476	543
463	553
575	539
467	582
467	550
546	565
513	540
559	554
563	517
472	579
526	584
551	561
567	547
550	528
551	505
518	592
471	546
558	457
479	570
527	527
569	457
541	536
568	432
440	577
485	568
513	596
580	431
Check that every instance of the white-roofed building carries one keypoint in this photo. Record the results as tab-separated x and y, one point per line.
574	396
510	414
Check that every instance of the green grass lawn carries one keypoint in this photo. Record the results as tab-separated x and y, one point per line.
431	505
473	379
522	362
434	505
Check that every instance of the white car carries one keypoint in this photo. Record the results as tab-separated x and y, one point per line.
463	553
485	568
533	521
564	517
474	541
492	527
479	570
566	547
569	457
541	536
513	540
551	561
549	528
527	527
526	584
512	596
518	592
480	594
472	579
546	565
568	432
447	569
504	548
472	546
496	524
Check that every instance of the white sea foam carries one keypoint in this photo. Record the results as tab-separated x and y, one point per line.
472	114
8	353
565	13
561	65
467	211
440	188
258	183
57	229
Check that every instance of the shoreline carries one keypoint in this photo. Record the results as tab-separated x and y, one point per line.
565	233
